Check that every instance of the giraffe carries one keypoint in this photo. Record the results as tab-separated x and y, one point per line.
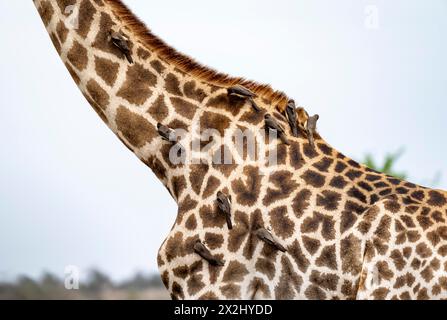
313	225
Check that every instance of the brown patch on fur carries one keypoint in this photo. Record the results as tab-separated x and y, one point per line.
266	266
384	270
184	108
254	118
107	70
137	87
258	287
423	250
64	4
281	223
195	283
46	12
197	175
61	31
313	292
213	240
143	54
211	217
98	94
351	255
327	258
174	247
172	85
240	231
311	245
296	160
338	182
298	255
188	65
212	120
328	200
78	56
158	66
85	17
158	110
56	42
191	222
301	202
191	92
311	225
284	185
187	204
436	198
98	109
288	282
135	128
231	291
380	293
235	272
324	164
102	40
326	281
228	103
313	178
177	292
211	187
73	73
398	259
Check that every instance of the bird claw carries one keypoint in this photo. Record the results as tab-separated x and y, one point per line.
244	93
266	236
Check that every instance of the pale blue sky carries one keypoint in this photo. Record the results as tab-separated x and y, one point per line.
71	194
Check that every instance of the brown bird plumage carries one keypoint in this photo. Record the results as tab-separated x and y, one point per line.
272	124
244	93
292	117
223	202
203	251
264	235
121	43
311	129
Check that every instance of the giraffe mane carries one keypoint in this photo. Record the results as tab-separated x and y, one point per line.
188	64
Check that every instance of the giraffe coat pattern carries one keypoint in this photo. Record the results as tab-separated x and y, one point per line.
347	232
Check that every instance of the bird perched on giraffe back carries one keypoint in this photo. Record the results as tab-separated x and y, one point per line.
292	117
272	124
311	129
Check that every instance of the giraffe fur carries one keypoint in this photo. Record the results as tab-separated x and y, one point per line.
343	231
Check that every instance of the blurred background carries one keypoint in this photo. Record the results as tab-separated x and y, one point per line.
72	195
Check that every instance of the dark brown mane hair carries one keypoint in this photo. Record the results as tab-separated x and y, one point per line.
189	65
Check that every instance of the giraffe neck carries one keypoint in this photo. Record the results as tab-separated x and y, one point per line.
131	98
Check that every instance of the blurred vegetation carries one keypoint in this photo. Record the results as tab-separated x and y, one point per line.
388	167
97	286
388	164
